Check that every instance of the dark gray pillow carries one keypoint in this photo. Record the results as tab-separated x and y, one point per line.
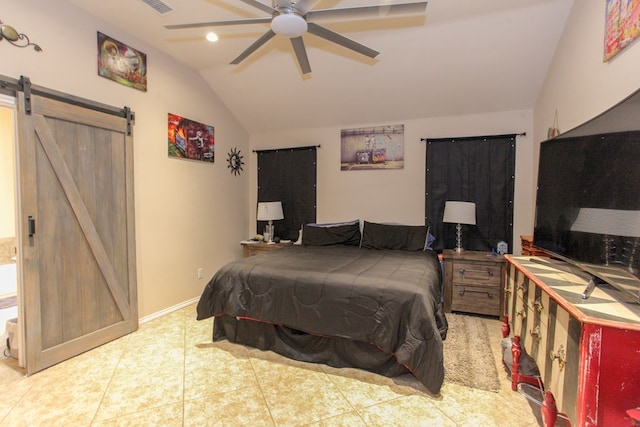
315	235
397	237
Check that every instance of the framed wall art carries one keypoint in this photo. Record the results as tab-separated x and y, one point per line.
121	63
622	26
377	147
190	140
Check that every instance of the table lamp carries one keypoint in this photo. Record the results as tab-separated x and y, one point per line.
459	213
269	211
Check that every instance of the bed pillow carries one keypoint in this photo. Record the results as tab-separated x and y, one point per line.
327	224
332	234
334	224
397	237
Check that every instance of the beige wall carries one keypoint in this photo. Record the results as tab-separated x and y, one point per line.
398	195
191	215
188	214
579	85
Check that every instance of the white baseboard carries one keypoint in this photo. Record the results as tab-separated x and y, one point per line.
168	310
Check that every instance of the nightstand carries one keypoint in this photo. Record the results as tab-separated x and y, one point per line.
251	249
473	282
528	249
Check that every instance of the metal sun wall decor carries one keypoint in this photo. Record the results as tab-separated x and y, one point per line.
377	147
622	26
190	140
121	63
234	161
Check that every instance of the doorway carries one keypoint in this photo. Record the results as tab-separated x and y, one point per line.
8	273
73	218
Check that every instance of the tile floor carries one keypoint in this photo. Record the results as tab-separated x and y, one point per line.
169	373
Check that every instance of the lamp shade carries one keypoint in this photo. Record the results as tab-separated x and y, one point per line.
459	212
269	211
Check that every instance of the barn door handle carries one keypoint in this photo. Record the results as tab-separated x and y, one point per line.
31	221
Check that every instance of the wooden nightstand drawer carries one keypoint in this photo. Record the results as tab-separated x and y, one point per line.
481	274
251	249
476	299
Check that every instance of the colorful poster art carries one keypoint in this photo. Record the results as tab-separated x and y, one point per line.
377	147
190	140
121	63
622	26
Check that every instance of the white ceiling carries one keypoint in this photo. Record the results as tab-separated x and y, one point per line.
461	57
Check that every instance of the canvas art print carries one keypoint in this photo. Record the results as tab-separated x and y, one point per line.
190	140
121	63
622	26
378	147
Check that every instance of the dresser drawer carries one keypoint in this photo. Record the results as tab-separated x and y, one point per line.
549	334
476	273
560	357
476	299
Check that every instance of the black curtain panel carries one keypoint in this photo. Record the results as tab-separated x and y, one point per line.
288	175
471	169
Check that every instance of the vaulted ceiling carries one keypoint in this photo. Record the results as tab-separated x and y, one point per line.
460	57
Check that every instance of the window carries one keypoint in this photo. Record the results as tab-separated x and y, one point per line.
473	169
288	175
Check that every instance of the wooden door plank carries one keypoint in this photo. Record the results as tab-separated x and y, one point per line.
74	114
53	152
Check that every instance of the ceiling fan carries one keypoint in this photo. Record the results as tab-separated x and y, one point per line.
293	19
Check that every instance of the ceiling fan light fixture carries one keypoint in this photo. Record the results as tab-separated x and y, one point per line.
289	24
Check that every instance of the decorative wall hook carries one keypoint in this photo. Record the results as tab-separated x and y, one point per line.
17	39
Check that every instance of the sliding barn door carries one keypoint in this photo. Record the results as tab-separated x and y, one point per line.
76	229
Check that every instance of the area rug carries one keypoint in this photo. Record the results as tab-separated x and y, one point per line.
8	302
468	357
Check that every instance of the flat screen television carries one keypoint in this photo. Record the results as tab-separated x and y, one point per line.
588	207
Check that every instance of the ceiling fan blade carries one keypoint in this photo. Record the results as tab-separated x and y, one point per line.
220	23
260	5
303	6
301	54
368	11
248	51
341	40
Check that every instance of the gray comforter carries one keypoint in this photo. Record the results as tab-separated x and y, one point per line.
390	299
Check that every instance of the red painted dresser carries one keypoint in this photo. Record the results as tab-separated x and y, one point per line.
587	351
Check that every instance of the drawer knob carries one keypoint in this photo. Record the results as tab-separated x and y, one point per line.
560	355
538	305
535	333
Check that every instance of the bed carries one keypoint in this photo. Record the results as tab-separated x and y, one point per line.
370	301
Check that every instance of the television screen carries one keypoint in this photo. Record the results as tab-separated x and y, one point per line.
588	205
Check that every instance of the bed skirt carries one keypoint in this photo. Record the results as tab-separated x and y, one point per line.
333	351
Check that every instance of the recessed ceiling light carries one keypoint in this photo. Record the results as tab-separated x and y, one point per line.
212	37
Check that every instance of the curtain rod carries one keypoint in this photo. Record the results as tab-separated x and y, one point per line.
288	148
465	138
